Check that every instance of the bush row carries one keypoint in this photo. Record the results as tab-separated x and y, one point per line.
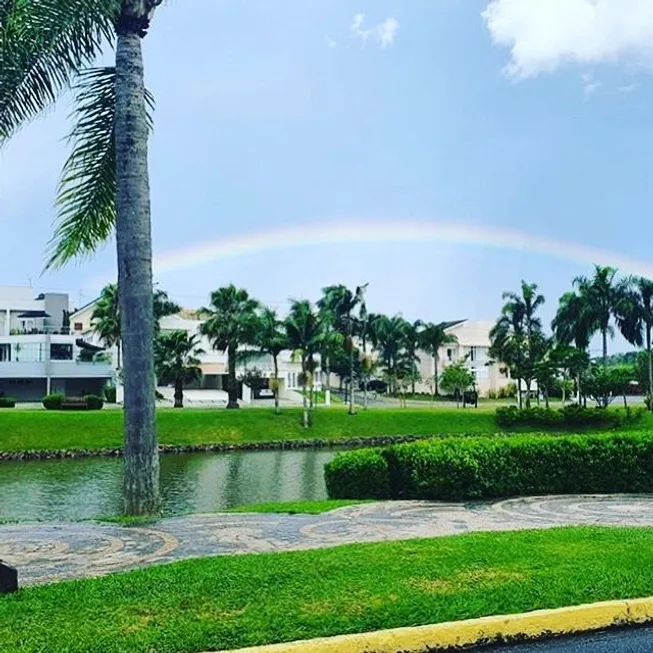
571	415
58	401
7	402
474	468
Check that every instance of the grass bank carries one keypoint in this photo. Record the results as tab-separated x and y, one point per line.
39	430
229	602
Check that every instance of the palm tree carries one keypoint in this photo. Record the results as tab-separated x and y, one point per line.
272	340
105	319
45	49
175	357
635	318
574	325
305	331
432	338
388	336
230	322
602	295
516	337
412	341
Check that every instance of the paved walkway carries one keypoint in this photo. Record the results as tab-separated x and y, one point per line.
46	552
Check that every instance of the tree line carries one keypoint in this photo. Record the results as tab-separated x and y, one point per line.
599	305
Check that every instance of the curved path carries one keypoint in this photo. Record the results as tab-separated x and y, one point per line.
46	552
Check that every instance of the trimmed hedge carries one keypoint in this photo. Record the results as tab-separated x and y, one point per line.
58	401
571	416
53	401
7	402
475	468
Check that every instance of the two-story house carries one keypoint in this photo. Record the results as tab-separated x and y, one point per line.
40	353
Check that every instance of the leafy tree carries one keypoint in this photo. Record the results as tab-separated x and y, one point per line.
305	331
176	360
388	336
516	338
604	384
602	297
635	315
230	322
432	338
46	49
271	338
457	379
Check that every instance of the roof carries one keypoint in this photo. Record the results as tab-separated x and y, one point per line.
453	323
34	314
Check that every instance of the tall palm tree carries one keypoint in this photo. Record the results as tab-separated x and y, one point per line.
272	339
230	322
432	338
412	341
305	331
175	358
602	295
574	325
388	336
635	319
516	337
46	48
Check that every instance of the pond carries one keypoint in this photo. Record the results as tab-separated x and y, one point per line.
205	482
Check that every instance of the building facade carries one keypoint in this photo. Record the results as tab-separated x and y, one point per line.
472	349
40	352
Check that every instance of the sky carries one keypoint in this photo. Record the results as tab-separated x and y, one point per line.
401	144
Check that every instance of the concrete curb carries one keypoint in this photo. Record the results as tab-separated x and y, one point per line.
487	630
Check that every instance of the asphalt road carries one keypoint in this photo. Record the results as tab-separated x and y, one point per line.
633	640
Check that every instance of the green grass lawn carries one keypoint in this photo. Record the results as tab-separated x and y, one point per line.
25	430
220	603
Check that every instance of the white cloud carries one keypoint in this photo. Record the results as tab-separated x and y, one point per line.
330	42
384	33
544	35
628	88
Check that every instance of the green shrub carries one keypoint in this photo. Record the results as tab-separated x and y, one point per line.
93	402
74	403
7	402
475	468
53	401
358	473
572	415
110	394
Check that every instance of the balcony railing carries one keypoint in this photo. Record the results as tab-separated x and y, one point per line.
35	331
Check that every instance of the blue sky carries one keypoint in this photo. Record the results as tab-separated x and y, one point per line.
508	115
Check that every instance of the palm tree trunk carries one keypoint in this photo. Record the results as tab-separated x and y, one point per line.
436	387
351	381
179	393
519	397
604	334
650	364
277	409
118	361
304	397
134	249
327	390
232	390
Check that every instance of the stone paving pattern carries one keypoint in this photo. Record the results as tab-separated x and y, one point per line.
48	552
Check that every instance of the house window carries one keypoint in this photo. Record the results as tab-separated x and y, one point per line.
473	354
5	353
59	352
450	355
79	326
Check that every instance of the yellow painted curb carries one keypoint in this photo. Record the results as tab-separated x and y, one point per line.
530	625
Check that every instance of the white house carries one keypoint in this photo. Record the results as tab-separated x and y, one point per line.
40	353
472	348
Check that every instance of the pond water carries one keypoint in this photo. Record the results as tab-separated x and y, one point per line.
205	482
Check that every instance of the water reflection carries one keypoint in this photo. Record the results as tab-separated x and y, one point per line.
92	487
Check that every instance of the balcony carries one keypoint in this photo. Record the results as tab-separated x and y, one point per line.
55	369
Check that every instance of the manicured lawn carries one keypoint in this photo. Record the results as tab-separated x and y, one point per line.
229	602
24	430
299	507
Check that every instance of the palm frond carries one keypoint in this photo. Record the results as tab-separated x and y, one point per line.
87	190
44	44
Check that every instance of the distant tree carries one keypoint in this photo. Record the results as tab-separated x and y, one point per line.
605	384
231	321
635	317
516	338
272	339
305	332
602	297
432	338
457	379
388	336
176	361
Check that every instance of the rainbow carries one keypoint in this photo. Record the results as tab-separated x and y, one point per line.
398	231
